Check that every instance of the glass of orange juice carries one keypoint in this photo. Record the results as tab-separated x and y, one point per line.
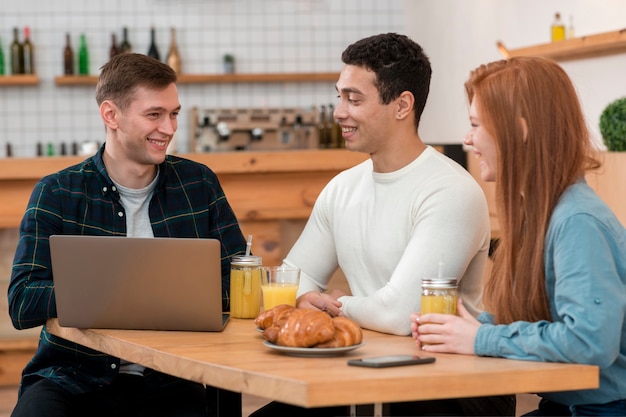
279	285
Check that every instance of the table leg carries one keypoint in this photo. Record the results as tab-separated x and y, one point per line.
375	410
223	403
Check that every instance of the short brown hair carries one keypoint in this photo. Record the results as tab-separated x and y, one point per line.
120	77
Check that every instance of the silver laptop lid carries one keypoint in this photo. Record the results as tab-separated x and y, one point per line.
137	283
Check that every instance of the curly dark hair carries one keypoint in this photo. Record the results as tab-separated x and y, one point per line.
399	64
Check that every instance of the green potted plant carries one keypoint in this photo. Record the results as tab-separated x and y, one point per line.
229	63
609	182
613	125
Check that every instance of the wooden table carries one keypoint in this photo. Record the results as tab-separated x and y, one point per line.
237	360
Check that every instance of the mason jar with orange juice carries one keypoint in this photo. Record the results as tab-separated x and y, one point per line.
245	286
439	295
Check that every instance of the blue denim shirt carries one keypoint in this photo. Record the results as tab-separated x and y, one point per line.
188	201
585	265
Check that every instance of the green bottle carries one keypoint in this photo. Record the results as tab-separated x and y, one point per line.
1	59
83	56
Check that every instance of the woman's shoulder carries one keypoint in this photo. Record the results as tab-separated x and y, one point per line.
580	202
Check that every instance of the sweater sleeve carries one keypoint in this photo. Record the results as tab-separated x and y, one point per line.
586	297
450	224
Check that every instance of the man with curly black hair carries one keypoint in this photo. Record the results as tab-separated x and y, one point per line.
391	220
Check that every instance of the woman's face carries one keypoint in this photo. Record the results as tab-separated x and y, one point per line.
483	144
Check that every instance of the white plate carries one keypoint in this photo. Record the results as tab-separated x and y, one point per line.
312	352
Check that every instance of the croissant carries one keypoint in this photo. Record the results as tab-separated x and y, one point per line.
301	327
305	328
347	333
271	316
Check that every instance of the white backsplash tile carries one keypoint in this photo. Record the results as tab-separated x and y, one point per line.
264	36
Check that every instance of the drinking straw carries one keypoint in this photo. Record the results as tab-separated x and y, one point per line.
248	245
441	265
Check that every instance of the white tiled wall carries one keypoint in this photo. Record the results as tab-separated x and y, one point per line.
265	36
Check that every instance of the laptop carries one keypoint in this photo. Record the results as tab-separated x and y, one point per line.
114	282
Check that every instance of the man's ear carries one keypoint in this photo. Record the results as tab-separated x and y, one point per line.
405	104
109	112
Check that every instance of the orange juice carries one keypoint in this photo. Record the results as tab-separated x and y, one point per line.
276	294
442	304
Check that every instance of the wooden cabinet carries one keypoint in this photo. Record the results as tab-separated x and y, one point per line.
270	192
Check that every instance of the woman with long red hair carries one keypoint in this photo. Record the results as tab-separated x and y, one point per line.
557	290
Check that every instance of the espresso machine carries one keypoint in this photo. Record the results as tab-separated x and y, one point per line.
238	129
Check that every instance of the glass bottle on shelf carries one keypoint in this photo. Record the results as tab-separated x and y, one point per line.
173	56
17	54
1	59
68	56
28	51
114	49
571	33
125	45
334	128
322	129
153	51
83	56
558	28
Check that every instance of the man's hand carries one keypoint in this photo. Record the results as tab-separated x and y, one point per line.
319	301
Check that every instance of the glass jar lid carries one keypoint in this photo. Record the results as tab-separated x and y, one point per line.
439	282
246	260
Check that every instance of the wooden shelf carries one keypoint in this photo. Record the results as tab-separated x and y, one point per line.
9	80
218	78
76	80
576	48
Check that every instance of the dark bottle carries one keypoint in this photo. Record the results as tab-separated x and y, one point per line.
114	49
153	51
125	45
68	56
28	51
17	54
83	56
173	56
334	129
322	129
1	59
9	150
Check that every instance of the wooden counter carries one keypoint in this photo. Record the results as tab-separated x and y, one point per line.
268	191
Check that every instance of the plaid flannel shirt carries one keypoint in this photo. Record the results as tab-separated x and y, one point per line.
188	202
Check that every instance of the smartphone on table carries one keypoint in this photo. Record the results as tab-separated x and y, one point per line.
391	360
